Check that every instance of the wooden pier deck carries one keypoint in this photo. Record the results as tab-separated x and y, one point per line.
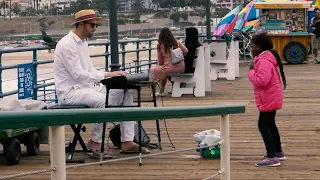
298	123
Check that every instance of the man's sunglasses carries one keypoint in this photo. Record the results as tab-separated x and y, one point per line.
93	25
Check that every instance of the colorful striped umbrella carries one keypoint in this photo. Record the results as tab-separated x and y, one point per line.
240	22
250	19
252	23
251	13
232	25
228	22
228	18
247	29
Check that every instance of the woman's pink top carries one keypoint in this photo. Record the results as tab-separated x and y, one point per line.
165	66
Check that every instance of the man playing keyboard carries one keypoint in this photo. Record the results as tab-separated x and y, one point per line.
75	77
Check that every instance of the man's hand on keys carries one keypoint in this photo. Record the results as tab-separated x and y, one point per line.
115	73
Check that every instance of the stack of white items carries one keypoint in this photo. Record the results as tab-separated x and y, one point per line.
208	137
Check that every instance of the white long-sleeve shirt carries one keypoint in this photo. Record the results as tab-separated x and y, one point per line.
73	66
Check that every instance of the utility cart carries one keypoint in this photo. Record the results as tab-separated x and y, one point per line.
11	139
287	25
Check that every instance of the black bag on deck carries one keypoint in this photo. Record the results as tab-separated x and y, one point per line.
115	136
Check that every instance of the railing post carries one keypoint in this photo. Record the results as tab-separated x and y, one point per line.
208	18
138	61
150	53
114	36
57	152
107	58
225	147
1	92
35	74
44	91
123	54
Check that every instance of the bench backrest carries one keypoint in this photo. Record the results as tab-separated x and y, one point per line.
195	60
199	62
220	49
207	67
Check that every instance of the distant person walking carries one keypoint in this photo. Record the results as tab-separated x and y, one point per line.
268	94
315	26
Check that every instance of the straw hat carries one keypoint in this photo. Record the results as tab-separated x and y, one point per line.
85	15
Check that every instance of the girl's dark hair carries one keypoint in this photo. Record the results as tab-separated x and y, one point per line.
265	43
167	39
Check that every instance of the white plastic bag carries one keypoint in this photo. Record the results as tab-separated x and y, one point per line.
208	137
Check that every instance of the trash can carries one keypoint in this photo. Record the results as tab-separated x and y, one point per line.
208	138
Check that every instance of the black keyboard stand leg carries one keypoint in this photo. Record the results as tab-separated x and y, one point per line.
157	121
139	128
140	148
78	137
72	146
104	128
102	143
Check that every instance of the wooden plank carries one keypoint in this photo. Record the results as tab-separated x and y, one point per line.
298	123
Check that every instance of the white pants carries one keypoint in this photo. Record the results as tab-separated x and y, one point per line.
95	97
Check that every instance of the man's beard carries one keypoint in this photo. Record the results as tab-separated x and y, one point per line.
90	35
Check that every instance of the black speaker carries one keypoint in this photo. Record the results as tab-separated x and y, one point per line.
115	136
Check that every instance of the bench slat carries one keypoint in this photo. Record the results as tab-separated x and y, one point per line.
181	74
218	62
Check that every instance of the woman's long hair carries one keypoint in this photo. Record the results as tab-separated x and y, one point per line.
167	39
265	43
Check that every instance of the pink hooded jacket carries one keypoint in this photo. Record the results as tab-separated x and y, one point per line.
267	83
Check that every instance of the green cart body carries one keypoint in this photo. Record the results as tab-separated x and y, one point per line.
12	138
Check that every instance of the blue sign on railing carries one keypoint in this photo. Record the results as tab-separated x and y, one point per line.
25	81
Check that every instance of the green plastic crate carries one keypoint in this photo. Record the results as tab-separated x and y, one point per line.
210	152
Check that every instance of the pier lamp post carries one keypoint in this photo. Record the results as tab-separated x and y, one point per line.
208	18
113	26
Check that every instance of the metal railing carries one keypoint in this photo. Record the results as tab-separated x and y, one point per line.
41	85
40	88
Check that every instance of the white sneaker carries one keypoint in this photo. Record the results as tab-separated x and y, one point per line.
159	94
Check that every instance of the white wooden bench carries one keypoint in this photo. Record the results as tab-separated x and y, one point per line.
220	65
207	67
237	58
197	83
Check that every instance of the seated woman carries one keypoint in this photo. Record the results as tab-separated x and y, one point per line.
191	44
165	43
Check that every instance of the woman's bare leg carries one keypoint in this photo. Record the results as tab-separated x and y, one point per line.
162	85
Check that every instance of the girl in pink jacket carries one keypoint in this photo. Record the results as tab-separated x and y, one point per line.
268	95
